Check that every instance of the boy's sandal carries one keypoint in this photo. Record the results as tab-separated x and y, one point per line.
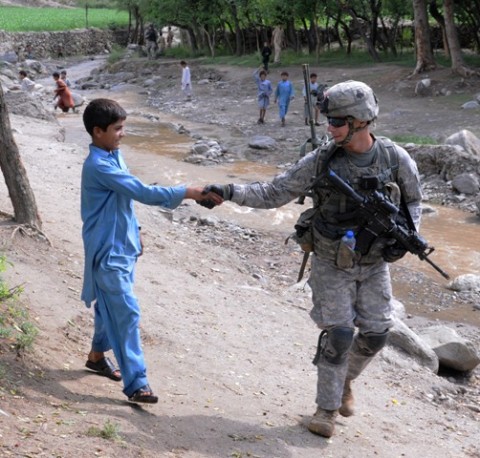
145	395
104	367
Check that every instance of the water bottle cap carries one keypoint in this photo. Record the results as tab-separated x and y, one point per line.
350	234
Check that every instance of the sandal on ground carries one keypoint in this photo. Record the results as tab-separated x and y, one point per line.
104	367
144	394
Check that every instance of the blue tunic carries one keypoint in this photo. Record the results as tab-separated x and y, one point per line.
112	245
283	93
264	91
110	228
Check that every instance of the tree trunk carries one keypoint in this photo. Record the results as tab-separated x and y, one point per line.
425	59
458	64
433	9
21	194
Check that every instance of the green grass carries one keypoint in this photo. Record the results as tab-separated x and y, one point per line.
16	331
26	19
417	139
110	431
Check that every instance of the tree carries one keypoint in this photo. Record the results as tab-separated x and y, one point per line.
425	59
21	194
456	58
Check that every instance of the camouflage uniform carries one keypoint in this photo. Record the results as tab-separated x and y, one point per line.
356	297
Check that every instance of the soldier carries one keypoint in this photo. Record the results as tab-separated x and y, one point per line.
349	290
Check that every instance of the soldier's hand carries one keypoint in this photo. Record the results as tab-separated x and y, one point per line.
225	191
215	194
394	252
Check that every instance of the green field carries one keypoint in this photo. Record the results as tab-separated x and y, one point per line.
26	19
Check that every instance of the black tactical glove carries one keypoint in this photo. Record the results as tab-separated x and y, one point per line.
224	191
392	253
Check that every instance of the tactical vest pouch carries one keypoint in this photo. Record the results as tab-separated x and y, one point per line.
303	234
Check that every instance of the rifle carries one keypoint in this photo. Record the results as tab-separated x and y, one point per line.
379	214
313	140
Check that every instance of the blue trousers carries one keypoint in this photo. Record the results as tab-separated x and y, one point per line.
117	319
283	108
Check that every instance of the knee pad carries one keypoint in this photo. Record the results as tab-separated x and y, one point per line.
334	344
371	343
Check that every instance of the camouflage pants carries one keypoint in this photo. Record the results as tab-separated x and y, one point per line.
358	297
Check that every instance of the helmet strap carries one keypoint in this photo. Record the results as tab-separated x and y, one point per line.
352	130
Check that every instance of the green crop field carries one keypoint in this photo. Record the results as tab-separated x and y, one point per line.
26	19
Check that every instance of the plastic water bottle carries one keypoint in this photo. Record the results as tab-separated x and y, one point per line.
346	253
349	239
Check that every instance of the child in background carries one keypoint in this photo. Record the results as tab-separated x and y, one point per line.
63	76
264	92
186	81
112	243
283	94
313	99
63	96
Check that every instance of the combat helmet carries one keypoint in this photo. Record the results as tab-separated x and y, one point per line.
350	99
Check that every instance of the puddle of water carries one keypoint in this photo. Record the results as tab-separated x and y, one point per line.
456	238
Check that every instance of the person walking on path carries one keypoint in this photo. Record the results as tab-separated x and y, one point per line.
351	285
186	81
284	93
277	42
112	244
266	53
314	88
265	90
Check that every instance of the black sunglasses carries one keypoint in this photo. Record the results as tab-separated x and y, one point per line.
337	122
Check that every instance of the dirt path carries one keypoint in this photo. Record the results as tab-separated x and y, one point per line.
226	332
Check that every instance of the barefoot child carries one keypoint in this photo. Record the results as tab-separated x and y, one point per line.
112	245
264	92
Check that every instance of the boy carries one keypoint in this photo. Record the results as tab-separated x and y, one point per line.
112	245
266	53
186	81
26	85
283	94
63	76
313	99
63	96
264	92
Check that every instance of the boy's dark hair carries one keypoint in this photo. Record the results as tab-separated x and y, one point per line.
64	72
262	72
182	62
284	73
22	72
101	113
313	75
56	75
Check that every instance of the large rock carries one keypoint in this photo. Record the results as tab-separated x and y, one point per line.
453	351
21	103
466	183
467	140
467	282
262	142
424	88
403	338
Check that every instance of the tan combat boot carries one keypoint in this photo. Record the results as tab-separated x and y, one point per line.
346	409
323	422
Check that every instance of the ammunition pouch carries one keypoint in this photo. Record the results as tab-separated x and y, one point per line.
303	234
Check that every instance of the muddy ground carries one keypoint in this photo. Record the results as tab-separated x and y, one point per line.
226	331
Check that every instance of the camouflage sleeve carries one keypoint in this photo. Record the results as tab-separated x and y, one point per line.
285	187
409	182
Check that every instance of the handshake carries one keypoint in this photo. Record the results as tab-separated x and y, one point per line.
225	191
